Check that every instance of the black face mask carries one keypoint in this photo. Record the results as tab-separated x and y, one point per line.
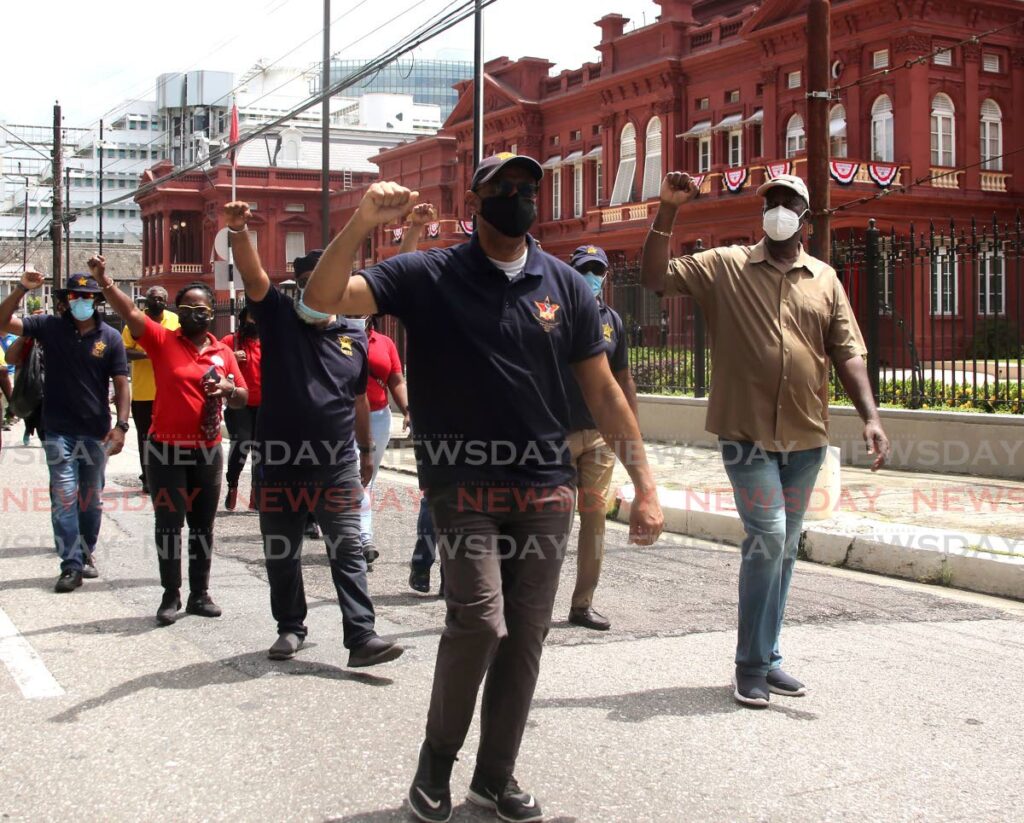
512	216
191	327
154	308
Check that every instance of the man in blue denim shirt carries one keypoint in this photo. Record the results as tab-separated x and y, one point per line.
779	320
83	355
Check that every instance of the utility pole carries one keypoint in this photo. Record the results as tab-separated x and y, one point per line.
67	226
24	230
58	210
101	187
478	84
325	133
819	49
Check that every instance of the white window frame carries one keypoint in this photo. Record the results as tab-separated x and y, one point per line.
991	62
734	142
598	181
622	190
704	154
991	136
943	132
703	103
577	190
652	159
796	136
990	274
556	193
944	272
838	146
794	79
732	96
880	59
943	58
882	130
294	245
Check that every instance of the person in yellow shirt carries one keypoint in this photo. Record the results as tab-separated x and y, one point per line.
143	382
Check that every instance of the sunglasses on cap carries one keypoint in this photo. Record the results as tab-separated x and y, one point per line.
506	188
80	295
200	313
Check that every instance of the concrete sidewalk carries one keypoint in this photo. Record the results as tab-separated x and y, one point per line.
953	530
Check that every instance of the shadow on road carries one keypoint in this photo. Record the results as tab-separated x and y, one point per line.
680	701
46	583
121	626
12	552
238	669
464	811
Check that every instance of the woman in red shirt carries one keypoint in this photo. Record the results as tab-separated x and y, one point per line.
195	373
385	373
245	343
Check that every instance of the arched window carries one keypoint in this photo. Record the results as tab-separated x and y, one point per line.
943	131
622	191
796	140
291	147
991	136
837	131
652	160
881	129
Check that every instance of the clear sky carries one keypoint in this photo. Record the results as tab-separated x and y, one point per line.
91	56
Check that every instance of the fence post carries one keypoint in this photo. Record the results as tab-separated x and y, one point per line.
872	265
700	382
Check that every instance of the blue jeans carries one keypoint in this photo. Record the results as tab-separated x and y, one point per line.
771	490
77	464
380	430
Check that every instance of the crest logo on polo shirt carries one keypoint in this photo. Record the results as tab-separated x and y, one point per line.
547	313
345	344
98	348
607	329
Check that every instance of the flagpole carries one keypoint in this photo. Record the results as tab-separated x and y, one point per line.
231	257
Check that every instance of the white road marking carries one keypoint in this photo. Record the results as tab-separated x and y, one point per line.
24	663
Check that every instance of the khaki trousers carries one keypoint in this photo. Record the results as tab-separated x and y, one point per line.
594	462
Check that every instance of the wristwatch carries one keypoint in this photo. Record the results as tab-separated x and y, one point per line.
122	425
367	449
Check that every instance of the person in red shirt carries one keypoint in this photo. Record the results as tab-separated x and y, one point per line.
385	374
195	374
245	343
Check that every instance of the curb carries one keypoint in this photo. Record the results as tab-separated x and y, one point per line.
981	563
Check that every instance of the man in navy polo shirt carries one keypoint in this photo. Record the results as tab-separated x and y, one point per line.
593	460
314	370
496	328
83	355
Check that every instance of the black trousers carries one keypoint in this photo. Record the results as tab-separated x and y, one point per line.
184	485
242	426
142	416
333	495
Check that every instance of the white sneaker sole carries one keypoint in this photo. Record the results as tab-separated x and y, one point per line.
486	803
757	702
801	692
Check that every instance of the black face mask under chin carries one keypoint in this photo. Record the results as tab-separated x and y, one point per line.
512	216
192	327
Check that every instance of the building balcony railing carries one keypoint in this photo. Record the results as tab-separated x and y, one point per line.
186	268
993	181
946	179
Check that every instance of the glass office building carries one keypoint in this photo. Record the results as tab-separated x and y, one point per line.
428	81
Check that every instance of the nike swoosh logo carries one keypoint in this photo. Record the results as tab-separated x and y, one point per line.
531	804
434	804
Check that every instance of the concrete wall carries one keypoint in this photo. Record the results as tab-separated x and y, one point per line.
990	445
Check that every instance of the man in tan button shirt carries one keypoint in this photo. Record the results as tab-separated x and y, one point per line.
778	318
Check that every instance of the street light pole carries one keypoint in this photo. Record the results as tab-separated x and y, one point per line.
101	187
478	84
325	132
67	217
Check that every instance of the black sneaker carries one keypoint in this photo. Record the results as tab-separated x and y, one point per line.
429	795
312	529
506	798
202	605
68	581
170	603
373	652
788	686
89	570
419	581
751	690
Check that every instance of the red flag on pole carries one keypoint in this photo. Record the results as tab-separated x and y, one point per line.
233	135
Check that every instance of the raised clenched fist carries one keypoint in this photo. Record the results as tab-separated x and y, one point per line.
237	214
678	188
386	203
32	279
422	214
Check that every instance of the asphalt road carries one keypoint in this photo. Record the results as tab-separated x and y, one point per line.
912	715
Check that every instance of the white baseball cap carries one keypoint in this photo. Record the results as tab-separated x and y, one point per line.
788	181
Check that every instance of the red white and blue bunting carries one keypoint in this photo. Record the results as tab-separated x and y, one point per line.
433	229
466	226
735	179
843	171
396	234
882	173
698	180
773	170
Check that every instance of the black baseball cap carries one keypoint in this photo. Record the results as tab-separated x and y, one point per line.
307	262
490	166
83	283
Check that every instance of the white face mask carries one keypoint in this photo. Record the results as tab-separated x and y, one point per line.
780	223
